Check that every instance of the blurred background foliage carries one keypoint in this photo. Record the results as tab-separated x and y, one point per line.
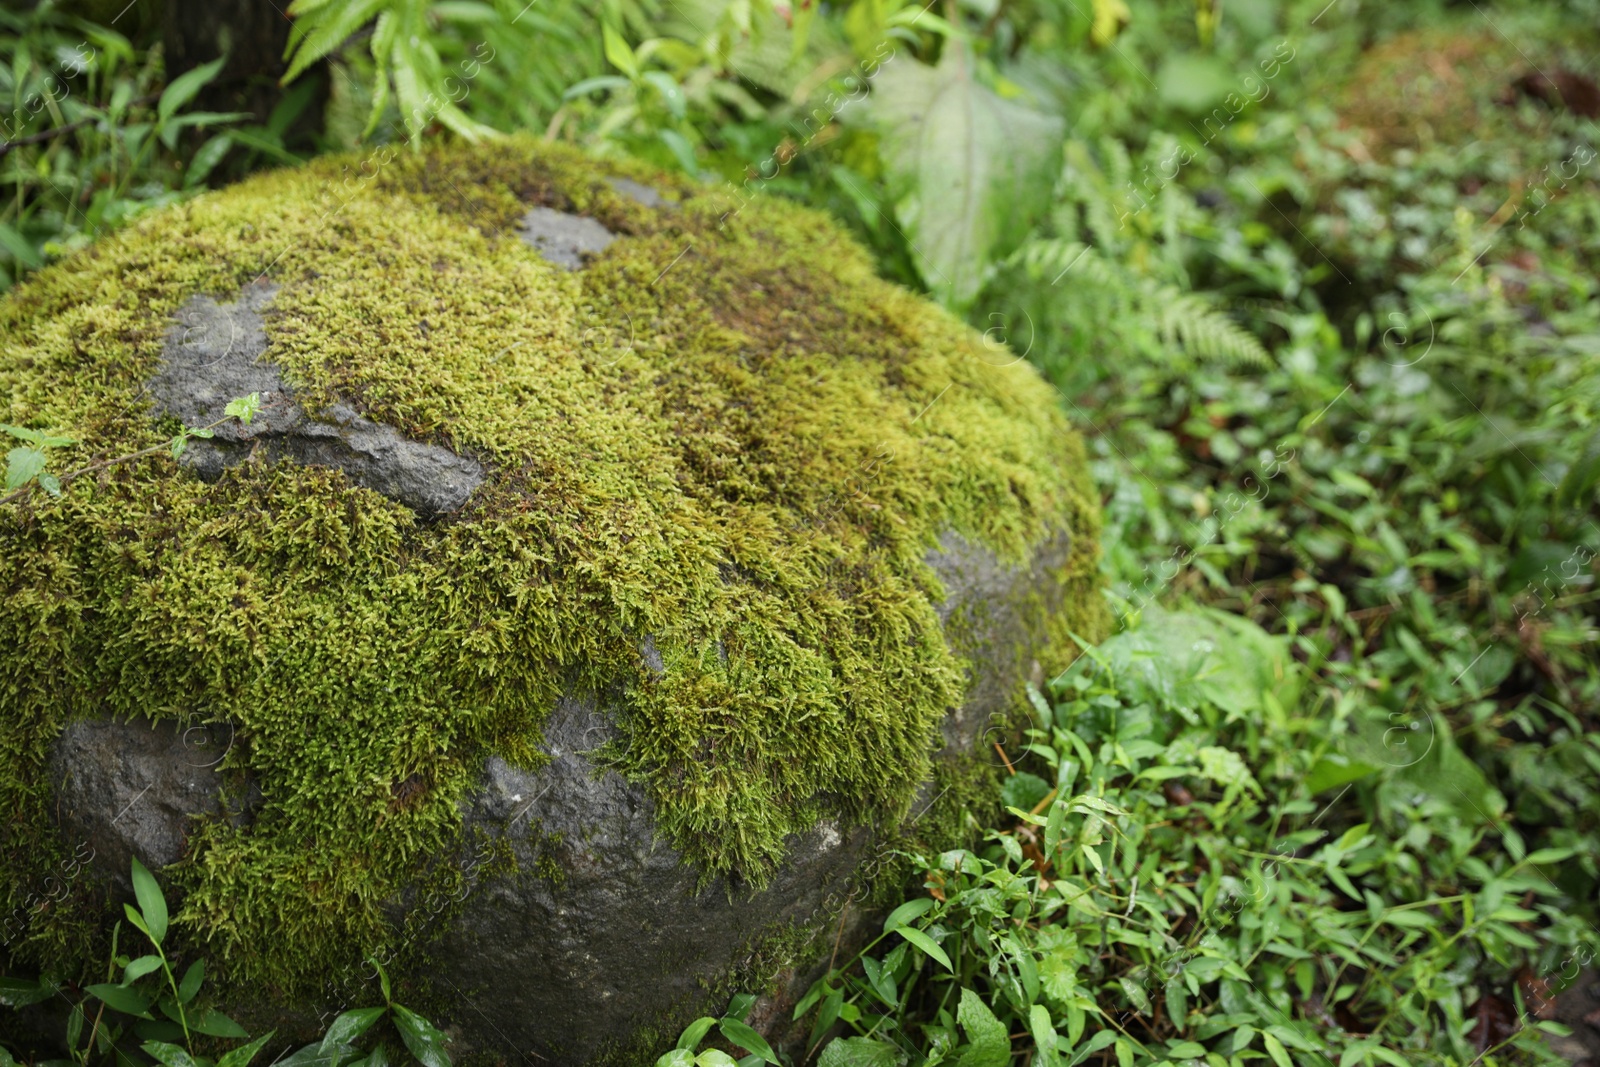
1318	281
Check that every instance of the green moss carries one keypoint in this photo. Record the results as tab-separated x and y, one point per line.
731	439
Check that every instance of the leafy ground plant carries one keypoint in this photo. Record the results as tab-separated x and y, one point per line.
93	133
151	1015
1176	884
25	464
733	1028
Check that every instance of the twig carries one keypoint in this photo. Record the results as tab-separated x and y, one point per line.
43	135
1003	758
57	131
27	487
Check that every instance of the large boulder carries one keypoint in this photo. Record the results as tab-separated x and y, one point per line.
613	572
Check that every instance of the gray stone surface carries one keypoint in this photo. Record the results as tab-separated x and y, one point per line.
213	353
986	612
133	789
565	240
555	971
627	939
1577	1005
634	191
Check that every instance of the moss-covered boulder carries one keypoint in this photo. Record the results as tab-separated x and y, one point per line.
614	567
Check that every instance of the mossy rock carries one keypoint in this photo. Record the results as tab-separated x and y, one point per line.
613	566
1427	87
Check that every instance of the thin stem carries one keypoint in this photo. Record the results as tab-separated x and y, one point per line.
183	1016
26	488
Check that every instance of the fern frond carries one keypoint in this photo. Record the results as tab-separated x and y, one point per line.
1205	332
1188	321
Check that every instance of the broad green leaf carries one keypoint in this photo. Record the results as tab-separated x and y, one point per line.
185	86
1177	1005
618	53
827	1015
678	1057
23	465
713	1057
860	1052
746	1038
1193	83
465	11
1044	1036
169	1054
1098	804
1046	716
241	1056
589	85
421	1037
206	158
158	1030
681	150
20	247
818	989
1275	1049
312	1056
1023	790
20	992
1333	770
739	1006
1053	827
927	944
171	1009
152	905
122	998
140	967
1549	855
192	980
75	1020
1136	995
243	408
1027	967
216	1024
669	89
990	1045
696	1032
969	170
50	483
350	1025
911	909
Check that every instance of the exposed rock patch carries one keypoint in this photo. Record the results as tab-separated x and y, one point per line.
565	240
213	354
987	602
635	191
133	789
